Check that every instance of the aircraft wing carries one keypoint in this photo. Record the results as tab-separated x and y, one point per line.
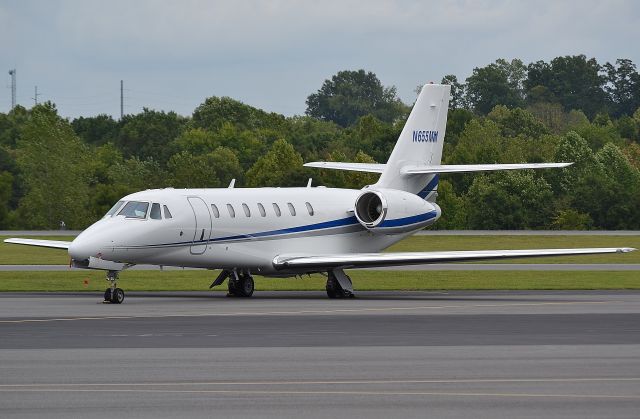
372	260
55	244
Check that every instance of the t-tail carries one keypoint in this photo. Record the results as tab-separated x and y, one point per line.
420	144
415	162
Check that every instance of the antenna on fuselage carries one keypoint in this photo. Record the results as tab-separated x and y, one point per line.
309	183
232	183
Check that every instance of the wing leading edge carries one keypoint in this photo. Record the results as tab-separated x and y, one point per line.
54	244
443	168
373	260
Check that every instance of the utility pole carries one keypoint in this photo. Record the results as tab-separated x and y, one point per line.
35	96
121	99
12	73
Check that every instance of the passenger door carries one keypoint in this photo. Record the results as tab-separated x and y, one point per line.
202	231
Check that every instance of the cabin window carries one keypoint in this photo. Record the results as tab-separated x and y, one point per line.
246	209
276	208
114	209
292	209
167	213
232	212
214	209
155	213
309	208
261	209
135	209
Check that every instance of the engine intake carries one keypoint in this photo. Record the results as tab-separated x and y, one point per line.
391	211
371	209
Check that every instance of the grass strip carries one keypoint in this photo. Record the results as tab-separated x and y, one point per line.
362	280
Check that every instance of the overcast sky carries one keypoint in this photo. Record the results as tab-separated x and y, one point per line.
273	54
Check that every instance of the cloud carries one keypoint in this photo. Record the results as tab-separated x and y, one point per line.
274	53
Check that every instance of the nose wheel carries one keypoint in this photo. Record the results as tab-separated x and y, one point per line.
113	294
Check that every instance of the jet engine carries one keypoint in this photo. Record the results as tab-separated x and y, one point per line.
391	211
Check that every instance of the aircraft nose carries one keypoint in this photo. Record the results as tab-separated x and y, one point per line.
83	247
79	249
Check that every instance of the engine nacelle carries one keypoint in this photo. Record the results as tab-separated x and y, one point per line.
393	211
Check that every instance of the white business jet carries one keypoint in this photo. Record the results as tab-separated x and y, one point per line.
280	232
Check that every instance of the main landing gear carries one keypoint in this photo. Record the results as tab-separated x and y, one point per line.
113	294
339	284
240	283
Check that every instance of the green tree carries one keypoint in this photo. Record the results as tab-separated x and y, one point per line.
6	191
214	169
457	100
517	122
217	111
513	200
196	141
573	81
148	134
348	95
11	124
454	208
97	130
572	148
499	83
281	166
51	159
623	86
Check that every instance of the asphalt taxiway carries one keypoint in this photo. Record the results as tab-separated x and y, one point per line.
299	354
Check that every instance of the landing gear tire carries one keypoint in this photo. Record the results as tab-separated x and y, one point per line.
114	296
334	290
241	287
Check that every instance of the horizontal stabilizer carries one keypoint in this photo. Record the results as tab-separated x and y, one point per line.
354	167
425	170
55	244
462	168
372	260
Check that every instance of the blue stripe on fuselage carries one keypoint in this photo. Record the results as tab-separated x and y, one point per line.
414	219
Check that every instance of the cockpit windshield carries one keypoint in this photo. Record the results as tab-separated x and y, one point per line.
135	209
114	208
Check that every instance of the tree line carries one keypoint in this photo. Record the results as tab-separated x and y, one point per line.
569	109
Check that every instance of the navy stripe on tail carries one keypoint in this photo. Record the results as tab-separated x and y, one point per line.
428	192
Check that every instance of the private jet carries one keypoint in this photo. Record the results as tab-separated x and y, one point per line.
287	232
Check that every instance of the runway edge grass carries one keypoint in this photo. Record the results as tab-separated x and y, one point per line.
92	281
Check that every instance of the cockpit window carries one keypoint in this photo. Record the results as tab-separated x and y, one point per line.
135	209
114	209
167	214
155	212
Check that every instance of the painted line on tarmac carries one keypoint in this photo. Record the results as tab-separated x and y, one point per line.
236	393
303	312
330	382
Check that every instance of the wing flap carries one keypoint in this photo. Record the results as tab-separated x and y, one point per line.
372	260
54	244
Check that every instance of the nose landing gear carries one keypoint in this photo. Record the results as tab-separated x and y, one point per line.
113	294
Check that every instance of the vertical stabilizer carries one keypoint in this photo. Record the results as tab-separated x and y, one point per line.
420	143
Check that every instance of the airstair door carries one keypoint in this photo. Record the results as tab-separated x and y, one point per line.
202	232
